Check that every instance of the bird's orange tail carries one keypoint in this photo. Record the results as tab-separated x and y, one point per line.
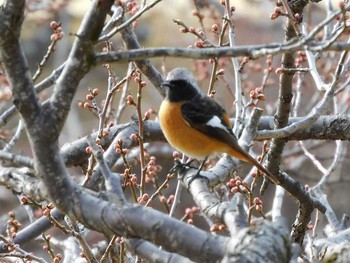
243	156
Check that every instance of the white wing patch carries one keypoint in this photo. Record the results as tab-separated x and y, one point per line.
216	122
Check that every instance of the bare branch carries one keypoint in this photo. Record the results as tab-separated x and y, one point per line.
143	63
77	65
14	62
152	253
253	52
20	182
44	84
128	22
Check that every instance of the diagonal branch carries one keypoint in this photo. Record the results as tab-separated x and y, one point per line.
14	62
78	63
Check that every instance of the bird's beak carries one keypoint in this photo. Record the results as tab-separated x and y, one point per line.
166	84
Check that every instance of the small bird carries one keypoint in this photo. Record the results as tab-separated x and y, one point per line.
197	125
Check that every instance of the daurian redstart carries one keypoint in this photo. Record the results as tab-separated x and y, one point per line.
197	125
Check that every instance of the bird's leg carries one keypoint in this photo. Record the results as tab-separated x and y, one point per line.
198	175
201	166
178	166
189	161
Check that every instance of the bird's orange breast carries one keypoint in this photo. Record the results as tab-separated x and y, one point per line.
185	138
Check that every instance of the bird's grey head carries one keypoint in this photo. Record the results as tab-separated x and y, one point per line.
181	85
182	73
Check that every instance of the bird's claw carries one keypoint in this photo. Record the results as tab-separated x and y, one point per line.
180	168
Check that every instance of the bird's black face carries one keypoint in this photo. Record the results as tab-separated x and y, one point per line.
179	90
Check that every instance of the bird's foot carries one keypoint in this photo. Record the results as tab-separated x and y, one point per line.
181	168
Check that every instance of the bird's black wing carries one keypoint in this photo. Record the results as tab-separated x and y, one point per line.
207	116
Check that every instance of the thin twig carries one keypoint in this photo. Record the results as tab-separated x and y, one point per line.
129	21
23	254
238	82
108	249
9	146
140	139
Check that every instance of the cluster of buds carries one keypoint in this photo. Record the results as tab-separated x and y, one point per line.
119	148
58	33
237	185
139	81
197	32
58	258
133	179
132	7
47	209
98	141
152	170
165	200
107	130
258	204
143	199
130	179
13	225
217	227
190	212
257	94
90	97
200	44
276	13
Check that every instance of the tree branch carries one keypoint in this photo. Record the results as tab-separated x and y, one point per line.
251	51
327	127
78	64
14	62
